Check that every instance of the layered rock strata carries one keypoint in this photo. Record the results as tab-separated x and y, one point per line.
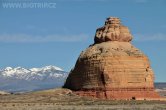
112	68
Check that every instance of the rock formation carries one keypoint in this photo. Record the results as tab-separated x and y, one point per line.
112	68
113	31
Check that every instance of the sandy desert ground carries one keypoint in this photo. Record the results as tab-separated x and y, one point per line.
63	99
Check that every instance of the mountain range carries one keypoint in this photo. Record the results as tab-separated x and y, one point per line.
21	79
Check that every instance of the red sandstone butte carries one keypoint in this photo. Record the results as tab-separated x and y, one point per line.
112	68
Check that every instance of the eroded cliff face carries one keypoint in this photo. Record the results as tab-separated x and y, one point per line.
113	30
112	68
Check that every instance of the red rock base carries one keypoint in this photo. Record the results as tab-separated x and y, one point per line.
121	94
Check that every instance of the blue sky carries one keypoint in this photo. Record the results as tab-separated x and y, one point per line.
36	37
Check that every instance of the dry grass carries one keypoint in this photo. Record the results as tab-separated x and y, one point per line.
64	99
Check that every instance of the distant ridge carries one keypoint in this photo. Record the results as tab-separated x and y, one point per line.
160	85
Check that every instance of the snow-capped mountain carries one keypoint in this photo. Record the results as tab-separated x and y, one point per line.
22	79
32	74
